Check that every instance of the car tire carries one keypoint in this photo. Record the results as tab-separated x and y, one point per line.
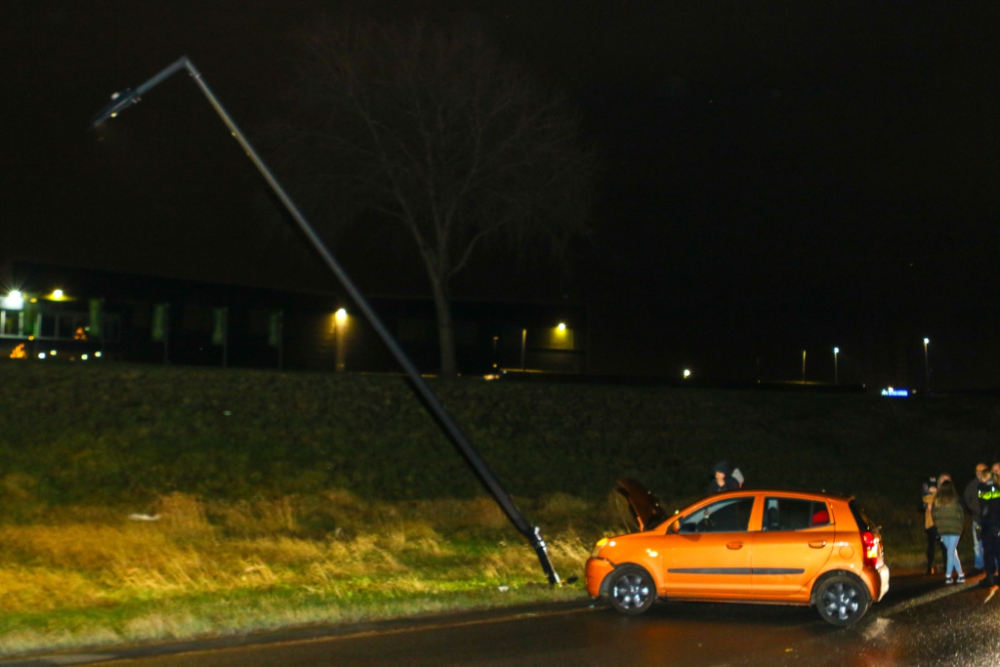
631	589
841	599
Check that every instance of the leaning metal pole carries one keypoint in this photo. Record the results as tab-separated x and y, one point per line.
121	101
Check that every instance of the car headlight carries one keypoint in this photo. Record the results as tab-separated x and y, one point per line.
601	543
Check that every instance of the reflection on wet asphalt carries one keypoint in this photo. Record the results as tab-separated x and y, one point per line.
953	631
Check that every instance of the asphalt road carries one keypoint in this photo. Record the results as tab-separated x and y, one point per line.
921	622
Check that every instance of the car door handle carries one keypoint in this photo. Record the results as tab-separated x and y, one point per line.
817	545
734	545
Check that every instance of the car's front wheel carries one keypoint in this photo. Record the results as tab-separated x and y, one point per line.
631	589
841	599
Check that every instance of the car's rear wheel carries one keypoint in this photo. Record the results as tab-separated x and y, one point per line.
631	589
841	599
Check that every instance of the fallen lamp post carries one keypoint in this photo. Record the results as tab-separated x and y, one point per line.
122	100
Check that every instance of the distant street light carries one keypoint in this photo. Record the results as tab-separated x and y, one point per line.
123	100
836	379
524	347
13	301
687	374
340	327
927	366
803	366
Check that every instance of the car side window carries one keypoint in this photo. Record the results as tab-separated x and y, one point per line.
731	515
794	514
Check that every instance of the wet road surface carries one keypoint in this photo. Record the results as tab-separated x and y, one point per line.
913	626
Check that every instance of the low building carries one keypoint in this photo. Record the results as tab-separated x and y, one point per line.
85	315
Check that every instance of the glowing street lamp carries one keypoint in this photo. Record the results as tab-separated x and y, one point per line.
927	366
123	100
13	301
687	373
340	317
836	379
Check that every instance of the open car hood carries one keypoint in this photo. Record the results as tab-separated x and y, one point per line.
645	506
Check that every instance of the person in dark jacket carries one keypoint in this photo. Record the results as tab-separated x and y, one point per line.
949	519
971	500
930	488
989	522
723	479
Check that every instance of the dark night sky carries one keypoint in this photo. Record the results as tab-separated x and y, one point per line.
780	175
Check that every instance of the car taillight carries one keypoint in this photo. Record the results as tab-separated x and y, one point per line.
872	546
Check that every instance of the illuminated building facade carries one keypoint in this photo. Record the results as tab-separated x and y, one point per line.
85	315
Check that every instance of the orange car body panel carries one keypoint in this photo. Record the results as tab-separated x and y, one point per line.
756	565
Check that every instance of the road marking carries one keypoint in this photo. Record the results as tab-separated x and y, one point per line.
84	659
79	659
61	659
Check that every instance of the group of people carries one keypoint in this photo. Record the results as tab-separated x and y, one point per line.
944	517
944	521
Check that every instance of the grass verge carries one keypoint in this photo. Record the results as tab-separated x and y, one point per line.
89	576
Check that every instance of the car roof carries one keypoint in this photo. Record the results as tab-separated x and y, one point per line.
784	492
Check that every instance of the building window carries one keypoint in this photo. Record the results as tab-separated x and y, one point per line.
198	318
11	323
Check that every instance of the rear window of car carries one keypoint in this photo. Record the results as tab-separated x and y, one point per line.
864	523
794	514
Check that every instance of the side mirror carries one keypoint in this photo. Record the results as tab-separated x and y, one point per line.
675	527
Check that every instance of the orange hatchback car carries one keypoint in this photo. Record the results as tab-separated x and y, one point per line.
776	547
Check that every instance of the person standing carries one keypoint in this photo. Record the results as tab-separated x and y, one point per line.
989	523
970	497
949	519
723	479
933	539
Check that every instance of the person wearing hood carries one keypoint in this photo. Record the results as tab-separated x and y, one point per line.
723	479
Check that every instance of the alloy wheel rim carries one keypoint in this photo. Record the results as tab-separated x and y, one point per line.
630	591
841	601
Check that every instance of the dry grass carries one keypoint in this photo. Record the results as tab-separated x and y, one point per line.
78	576
205	568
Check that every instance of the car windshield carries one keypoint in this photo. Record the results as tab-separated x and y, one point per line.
729	515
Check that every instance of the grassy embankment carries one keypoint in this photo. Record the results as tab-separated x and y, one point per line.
258	478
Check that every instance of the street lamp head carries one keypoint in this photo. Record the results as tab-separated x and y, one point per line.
13	301
836	350
927	341
119	102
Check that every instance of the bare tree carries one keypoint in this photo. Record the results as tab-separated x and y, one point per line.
435	131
